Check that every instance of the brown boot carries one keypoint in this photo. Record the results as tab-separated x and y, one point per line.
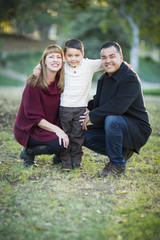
127	154
111	169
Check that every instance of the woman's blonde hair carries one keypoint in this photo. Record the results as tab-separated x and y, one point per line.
42	80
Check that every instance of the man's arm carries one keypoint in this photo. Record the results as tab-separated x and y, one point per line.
118	105
37	70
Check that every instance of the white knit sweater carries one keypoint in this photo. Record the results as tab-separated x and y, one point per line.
78	82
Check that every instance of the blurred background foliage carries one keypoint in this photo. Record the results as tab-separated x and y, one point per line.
28	26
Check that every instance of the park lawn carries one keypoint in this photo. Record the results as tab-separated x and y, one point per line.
44	203
8	81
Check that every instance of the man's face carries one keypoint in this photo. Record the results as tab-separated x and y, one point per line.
111	59
73	56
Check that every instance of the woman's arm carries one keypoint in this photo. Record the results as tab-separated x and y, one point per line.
57	130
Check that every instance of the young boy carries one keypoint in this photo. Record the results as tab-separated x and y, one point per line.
78	77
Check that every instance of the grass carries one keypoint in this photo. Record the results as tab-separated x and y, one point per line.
153	92
149	70
44	203
7	81
21	62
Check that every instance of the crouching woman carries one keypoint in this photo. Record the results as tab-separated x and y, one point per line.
37	125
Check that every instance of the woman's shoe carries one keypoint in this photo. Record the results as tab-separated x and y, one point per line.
28	159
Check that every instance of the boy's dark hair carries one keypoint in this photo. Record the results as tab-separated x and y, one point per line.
74	43
114	44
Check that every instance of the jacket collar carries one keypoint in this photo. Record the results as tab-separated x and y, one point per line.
120	72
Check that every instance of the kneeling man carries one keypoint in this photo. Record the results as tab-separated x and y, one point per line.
120	124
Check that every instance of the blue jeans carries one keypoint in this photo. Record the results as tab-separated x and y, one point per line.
112	140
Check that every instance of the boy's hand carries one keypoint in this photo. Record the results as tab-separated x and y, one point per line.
36	72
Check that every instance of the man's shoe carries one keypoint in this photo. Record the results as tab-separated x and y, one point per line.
111	169
127	154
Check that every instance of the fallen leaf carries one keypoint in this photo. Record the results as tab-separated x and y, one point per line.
38	228
143	215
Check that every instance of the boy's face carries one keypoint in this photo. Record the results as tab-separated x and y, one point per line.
73	56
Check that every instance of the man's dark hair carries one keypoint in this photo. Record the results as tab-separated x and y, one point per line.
112	44
74	43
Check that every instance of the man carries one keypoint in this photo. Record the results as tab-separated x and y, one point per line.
117	112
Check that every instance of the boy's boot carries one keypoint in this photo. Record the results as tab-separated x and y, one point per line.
66	160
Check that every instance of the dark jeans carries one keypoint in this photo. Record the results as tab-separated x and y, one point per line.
53	146
112	140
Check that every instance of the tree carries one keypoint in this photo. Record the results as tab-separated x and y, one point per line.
132	16
30	14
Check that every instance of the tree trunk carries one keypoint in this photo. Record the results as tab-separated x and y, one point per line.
21	27
44	32
134	53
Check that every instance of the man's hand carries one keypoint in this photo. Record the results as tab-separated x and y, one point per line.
84	120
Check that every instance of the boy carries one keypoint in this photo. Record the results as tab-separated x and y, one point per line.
78	77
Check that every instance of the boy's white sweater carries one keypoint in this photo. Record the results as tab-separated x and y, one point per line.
78	82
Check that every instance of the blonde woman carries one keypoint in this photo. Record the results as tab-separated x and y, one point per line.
37	125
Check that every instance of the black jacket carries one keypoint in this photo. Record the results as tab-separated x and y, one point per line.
121	94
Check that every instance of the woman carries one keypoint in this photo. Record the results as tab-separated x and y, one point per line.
37	126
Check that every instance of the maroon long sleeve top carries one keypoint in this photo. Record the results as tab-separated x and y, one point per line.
37	104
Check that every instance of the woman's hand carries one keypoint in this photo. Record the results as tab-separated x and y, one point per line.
63	138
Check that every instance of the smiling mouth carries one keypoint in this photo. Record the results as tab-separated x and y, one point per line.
53	65
109	65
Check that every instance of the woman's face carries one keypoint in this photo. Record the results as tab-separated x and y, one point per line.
53	62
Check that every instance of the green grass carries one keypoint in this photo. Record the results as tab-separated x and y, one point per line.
21	62
44	203
149	71
153	92
7	81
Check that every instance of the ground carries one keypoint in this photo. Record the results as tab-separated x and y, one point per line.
44	203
